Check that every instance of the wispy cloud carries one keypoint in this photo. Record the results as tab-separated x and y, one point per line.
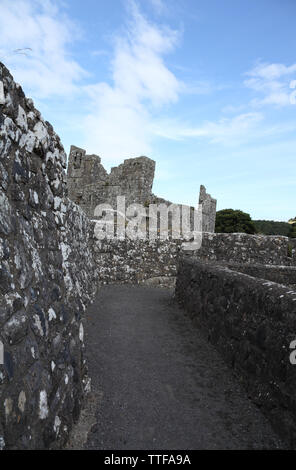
47	68
271	81
119	120
227	131
158	5
123	115
240	129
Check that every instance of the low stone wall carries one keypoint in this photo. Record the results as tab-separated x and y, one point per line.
281	274
135	261
245	248
252	323
47	277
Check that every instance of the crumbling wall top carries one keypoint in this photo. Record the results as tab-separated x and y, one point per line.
89	184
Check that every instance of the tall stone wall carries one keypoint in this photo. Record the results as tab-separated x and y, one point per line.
47	277
252	323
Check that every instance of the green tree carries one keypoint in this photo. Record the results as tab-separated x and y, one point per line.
292	232
234	221
271	227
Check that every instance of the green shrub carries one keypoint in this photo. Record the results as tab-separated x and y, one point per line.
234	221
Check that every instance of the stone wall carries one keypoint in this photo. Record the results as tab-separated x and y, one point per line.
51	265
135	261
46	280
243	248
208	210
252	323
89	185
281	274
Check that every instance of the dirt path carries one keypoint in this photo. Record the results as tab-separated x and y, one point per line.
160	384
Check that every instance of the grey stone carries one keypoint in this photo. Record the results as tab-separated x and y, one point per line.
251	321
16	327
208	210
52	265
89	185
36	275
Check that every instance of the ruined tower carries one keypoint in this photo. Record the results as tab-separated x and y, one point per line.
84	171
208	210
89	185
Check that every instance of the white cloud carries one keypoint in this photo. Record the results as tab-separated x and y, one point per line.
227	131
119	120
243	128
272	82
123	115
46	68
272	71
116	128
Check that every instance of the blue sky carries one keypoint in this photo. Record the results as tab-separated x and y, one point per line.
204	87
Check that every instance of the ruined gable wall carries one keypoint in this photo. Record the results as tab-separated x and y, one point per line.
135	178
46	280
90	185
86	179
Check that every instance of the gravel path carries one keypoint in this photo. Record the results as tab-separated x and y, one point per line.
160	384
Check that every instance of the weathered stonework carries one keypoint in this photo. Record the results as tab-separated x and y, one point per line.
51	264
90	185
280	274
208	210
252	323
129	261
46	280
137	261
243	248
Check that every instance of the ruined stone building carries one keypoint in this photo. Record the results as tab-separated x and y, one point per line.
239	288
89	185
